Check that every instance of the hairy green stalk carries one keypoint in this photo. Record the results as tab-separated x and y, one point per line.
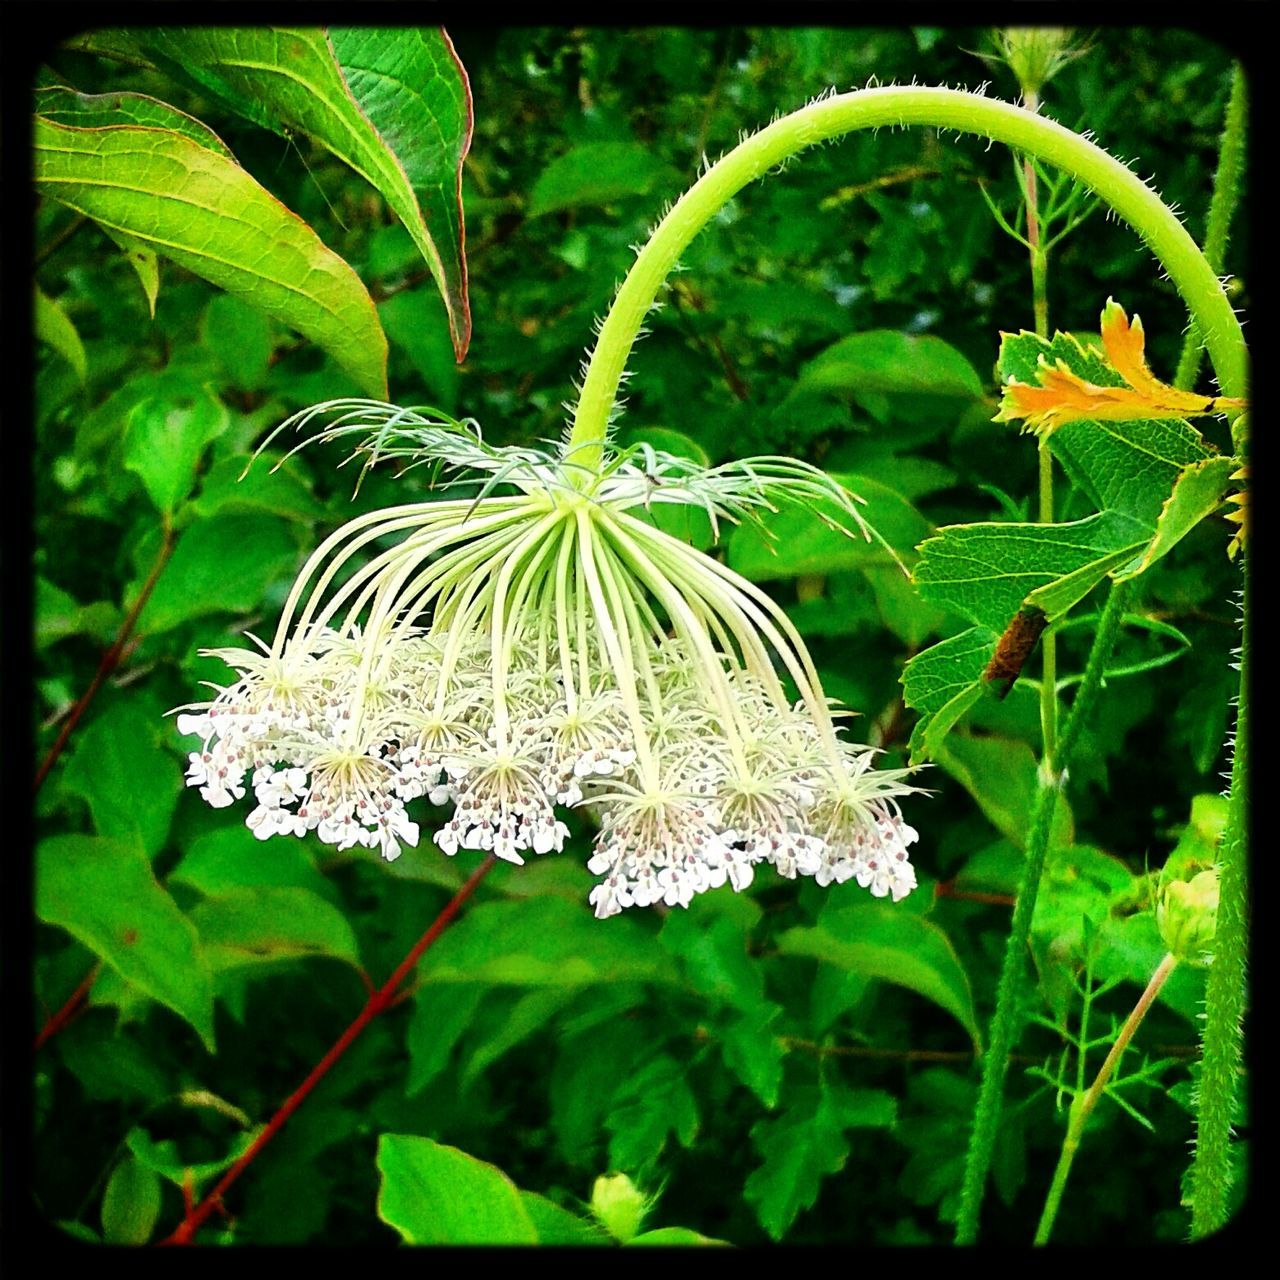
1006	1022
897	105
1083	1104
1222	205
1223	1038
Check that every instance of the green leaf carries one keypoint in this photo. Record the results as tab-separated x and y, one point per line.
144	261
805	1145
1001	774
165	440
795	541
267	924
238	336
557	1225
201	210
129	782
441	1017
673	1236
986	572
882	362
53	327
1198	492
62	104
754	1051
223	565
245	483
392	103
433	1194
881	941
59	616
531	1012
231	857
163	1157
942	683
104	894
1123	466
131	1203
416	324
594	174
544	942
649	1105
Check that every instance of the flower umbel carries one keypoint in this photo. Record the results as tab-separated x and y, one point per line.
511	653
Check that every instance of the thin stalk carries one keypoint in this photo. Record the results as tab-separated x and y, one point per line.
379	1002
897	105
1225	989
1222	205
1006	1021
1084	1103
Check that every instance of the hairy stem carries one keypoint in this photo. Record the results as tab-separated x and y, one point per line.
379	1002
1006	1022
1222	205
1034	135
1083	1105
1225	990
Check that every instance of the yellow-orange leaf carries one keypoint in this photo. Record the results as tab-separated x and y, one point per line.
1063	396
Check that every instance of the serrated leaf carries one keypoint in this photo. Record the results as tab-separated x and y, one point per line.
1198	492
796	541
223	565
986	572
104	894
593	174
881	941
53	327
165	440
433	1194
267	924
649	1106
393	103
942	683
201	210
128	780
131	1203
754	1051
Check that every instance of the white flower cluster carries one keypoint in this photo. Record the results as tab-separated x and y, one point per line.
511	655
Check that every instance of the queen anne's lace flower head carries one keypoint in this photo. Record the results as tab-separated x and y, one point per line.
512	656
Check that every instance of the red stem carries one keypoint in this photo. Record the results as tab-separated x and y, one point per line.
68	1012
378	1002
947	889
110	660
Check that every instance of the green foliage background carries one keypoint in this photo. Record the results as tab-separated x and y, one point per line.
792	1063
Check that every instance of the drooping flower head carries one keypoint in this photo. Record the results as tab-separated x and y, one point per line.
549	647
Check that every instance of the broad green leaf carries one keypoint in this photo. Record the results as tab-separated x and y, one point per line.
239	337
104	894
593	174
393	103
165	440
1001	775
163	1157
882	362
53	327
795	541
650	1105
942	683
441	1016
61	104
672	1236
128	780
131	1203
201	210
557	1225
245	483
544	942
1198	492
223	565
985	572
269	923
1129	467
806	1144
416	324
433	1194
59	616
531	1012
881	941
231	857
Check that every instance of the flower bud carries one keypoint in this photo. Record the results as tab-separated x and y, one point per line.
619	1205
1187	915
1036	54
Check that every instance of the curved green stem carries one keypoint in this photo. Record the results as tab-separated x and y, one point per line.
1084	1103
1034	135
1211	1174
1007	1021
